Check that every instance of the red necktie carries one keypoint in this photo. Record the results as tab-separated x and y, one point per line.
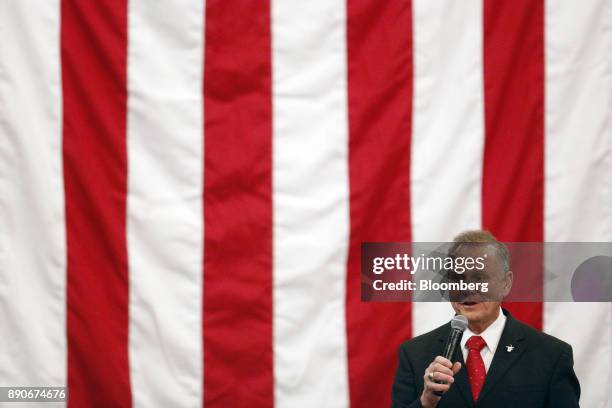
475	366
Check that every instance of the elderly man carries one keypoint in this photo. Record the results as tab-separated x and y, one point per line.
502	362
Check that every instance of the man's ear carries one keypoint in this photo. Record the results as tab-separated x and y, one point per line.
508	282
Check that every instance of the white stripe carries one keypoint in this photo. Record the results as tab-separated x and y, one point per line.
165	151
578	172
448	130
311	214
32	221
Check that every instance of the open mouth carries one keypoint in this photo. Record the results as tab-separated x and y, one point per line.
469	303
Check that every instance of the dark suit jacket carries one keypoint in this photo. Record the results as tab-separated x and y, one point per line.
538	373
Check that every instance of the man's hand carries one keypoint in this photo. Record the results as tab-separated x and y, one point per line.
440	369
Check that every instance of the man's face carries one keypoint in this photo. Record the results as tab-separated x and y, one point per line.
481	307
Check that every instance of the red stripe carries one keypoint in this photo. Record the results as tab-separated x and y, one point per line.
513	174
238	365
93	56
380	123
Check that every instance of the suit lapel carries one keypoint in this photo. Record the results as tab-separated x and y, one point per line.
503	359
462	382
461	378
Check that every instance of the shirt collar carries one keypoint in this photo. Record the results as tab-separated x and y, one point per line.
491	334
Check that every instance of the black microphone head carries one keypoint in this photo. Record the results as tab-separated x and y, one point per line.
459	322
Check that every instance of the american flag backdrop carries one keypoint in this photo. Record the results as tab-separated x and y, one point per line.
185	184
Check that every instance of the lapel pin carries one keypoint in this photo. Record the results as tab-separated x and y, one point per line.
509	348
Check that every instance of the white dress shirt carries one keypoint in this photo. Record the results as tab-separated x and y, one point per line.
491	336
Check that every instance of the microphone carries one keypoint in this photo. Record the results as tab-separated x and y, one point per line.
458	325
